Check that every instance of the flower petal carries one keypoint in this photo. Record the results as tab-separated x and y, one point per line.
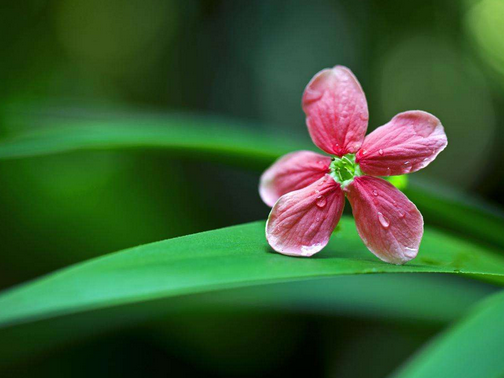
387	221
301	222
408	143
336	111
292	172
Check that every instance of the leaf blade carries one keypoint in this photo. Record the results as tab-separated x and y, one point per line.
227	258
180	134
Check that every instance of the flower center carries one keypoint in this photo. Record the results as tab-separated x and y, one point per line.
344	169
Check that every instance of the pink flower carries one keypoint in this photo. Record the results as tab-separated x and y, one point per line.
307	190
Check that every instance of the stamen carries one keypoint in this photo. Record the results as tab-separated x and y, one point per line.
344	169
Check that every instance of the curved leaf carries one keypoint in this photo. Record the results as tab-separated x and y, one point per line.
181	134
226	258
470	349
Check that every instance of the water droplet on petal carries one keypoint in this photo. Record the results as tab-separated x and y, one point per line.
321	201
425	159
363	116
383	221
363	152
407	167
375	193
317	220
401	214
380	151
410	252
308	250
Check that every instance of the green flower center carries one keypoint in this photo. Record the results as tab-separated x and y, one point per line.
344	169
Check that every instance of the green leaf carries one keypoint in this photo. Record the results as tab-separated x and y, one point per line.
223	141
226	258
129	286
470	349
185	136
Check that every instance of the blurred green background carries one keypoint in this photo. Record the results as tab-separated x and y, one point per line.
246	62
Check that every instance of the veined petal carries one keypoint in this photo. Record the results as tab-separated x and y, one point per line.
301	222
408	143
336	111
292	172
387	221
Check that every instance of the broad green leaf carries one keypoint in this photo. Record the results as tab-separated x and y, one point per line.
186	136
470	349
227	258
224	141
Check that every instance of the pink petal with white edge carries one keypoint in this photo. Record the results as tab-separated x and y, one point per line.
336	111
387	221
301	222
408	143
291	172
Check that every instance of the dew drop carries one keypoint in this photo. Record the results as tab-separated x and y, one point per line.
308	250
383	221
375	193
401	214
363	152
321	201
408	167
380	151
317	219
410	251
425	159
